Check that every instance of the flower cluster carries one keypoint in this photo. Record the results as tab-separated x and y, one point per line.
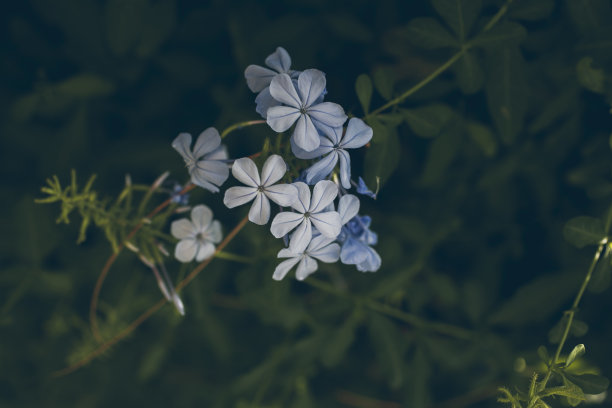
318	218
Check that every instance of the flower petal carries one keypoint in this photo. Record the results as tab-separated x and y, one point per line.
333	134
258	77
273	170
214	233
328	113
311	84
357	134
265	101
305	134
371	263
328	223
348	207
283	90
345	168
207	142
220	153
281	118
201	216
282	194
182	144
246	172
198	180
330	253
323	193
205	251
303	199
235	196
353	252
279	60
306	267
304	155
284	267
185	250
212	171
285	222
322	168
260	210
301	237
182	229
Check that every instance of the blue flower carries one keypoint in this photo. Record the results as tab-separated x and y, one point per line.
175	197
322	248
198	236
334	143
310	211
206	162
363	189
302	107
261	188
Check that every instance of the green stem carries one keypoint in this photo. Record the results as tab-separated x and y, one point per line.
233	257
497	16
571	312
240	125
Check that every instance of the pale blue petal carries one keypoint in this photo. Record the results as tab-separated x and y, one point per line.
199	180
371	263
323	193
284	267
348	207
328	223
258	77
260	210
205	251
201	216
304	155
186	250
212	171
282	89
182	144
246	172
357	134
345	168
311	84
182	229
265	101
322	168
208	141
281	118
307	266
305	134
285	222
353	252
279	60
363	189
273	170
220	153
303	199
334	134
235	196
301	237
282	194
286	253
328	113
324	249
214	233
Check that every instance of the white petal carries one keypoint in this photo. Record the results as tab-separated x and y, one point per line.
260	210
328	113
182	144
281	118
185	250
214	233
305	134
220	153
322	168
208	141
323	193
282	194
357	134
235	196
304	155
348	207
330	253
273	170
279	60
182	229
284	267
303	200
282	89
345	168
285	222
328	223
198	180
286	253
311	84
205	251
301	237
201	216
306	267
258	77
212	171
246	172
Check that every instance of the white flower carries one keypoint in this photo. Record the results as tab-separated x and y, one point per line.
198	236
261	188
322	248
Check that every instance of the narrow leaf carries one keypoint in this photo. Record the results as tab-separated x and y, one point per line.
578	351
428	33
590	383
458	14
363	88
583	231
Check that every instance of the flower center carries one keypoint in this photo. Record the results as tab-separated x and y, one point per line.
306	214
303	110
260	189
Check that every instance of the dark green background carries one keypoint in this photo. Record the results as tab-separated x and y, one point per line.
104	86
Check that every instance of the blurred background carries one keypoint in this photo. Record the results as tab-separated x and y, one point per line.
469	217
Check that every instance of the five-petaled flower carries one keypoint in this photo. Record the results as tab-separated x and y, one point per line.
322	248
303	108
198	236
206	161
261	188
310	211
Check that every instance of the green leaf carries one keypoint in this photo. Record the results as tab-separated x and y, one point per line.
428	33
383	156
571	391
576	352
591	78
483	137
385	339
363	88
442	152
470	76
543	354
503	34
589	383
530	10
152	361
583	231
458	14
429	120
383	82
85	86
507	91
